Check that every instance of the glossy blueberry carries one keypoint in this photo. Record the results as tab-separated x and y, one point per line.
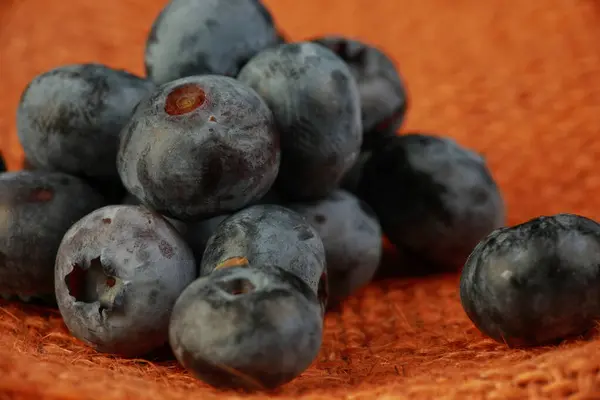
36	210
316	105
192	37
535	283
268	236
435	199
245	328
351	236
69	118
199	147
119	271
383	96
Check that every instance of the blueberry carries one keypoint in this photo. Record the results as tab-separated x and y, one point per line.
199	147
198	233
351	236
180	226
434	198
535	283
267	236
192	37
69	118
352	178
2	164
119	271
245	328
383	96
36	210
316	105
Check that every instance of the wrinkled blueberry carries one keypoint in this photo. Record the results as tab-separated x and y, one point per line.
316	105
265	236
69	118
191	37
36	210
199	147
247	328
130	199
434	199
119	271
351	236
535	283
383	97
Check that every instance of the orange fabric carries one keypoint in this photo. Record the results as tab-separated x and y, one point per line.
519	81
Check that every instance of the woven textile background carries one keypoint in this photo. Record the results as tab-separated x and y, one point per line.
516	80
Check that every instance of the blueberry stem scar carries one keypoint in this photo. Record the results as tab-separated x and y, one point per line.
184	99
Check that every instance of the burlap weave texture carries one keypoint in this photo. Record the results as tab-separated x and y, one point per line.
517	80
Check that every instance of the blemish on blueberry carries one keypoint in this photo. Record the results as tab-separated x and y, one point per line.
304	233
106	220
165	249
212	118
184	99
319	218
237	287
40	195
75	281
211	23
87	285
153	297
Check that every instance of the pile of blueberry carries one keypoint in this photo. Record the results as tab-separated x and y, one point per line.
240	190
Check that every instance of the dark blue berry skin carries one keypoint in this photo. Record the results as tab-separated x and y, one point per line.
351	180
535	283
351	235
119	271
2	164
191	37
316	104
69	118
435	199
198	233
130	199
199	147
36	210
269	236
383	97
245	328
